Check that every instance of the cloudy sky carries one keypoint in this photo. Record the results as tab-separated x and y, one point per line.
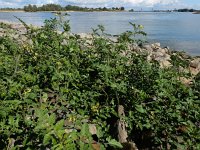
162	4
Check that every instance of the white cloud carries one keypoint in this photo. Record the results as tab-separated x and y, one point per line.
144	3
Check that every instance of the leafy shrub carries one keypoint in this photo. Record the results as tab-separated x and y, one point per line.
55	86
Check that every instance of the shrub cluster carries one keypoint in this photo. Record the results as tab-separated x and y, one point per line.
54	87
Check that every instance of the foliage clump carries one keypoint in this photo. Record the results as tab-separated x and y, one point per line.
54	87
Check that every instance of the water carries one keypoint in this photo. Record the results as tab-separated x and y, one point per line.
179	31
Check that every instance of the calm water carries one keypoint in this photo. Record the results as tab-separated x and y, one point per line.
180	31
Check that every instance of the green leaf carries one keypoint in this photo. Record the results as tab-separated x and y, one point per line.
32	96
115	144
47	139
11	120
140	109
44	97
59	125
60	134
52	119
84	129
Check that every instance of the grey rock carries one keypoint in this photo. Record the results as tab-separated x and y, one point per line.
149	58
23	38
134	48
158	54
195	66
23	31
167	47
167	57
30	42
16	36
114	39
92	129
160	50
195	63
148	48
1	34
155	45
165	64
64	42
194	71
84	35
89	42
16	26
1	30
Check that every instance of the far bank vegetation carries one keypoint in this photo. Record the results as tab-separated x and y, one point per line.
56	7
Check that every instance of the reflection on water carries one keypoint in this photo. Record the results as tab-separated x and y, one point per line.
178	30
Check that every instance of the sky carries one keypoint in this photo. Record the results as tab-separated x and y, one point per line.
148	4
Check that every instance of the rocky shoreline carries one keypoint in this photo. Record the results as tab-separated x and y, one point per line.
155	52
172	67
196	12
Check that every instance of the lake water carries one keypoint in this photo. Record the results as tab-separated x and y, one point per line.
180	31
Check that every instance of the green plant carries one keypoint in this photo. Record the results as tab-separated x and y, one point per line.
58	85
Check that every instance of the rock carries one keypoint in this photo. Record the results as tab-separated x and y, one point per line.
17	26
186	56
185	81
159	59
134	47
64	42
89	42
162	58
30	42
167	57
157	55
149	58
148	48
16	36
1	30
23	31
23	38
69	130
85	35
167	47
184	70
195	66
167	50
194	71
96	146
165	64
114	39
195	63
155	45
92	129
160	50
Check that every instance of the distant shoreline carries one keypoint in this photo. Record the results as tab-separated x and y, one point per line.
65	11
198	12
12	11
55	11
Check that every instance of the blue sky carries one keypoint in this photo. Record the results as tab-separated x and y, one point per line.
148	4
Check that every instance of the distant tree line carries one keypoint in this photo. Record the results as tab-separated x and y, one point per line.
47	7
11	9
186	10
56	7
